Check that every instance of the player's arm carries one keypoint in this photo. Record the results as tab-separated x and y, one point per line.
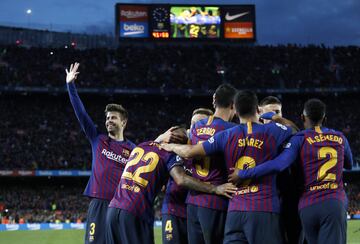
213	145
185	151
182	179
85	121
280	163
348	157
278	119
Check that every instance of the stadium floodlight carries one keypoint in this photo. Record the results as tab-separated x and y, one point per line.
29	11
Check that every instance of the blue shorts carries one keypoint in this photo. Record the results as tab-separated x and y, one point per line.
124	227
205	225
174	230
95	223
324	222
253	228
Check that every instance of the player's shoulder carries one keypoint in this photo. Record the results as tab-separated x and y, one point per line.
332	131
200	123
236	128
299	136
273	126
102	137
220	122
144	144
130	144
228	124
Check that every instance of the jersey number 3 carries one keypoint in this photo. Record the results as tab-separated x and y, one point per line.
151	159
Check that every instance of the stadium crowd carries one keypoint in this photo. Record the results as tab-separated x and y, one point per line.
187	67
46	204
43	133
353	194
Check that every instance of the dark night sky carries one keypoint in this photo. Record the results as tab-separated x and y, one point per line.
332	22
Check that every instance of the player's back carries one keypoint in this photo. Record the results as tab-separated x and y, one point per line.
248	145
322	163
210	169
145	173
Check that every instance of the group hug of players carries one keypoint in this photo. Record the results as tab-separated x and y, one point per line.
225	182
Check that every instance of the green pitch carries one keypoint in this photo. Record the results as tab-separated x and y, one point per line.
76	236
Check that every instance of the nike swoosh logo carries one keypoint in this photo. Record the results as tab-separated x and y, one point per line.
232	17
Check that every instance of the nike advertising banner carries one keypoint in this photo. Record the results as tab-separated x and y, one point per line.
239	22
185	22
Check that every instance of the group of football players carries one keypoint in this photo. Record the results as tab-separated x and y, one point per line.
257	181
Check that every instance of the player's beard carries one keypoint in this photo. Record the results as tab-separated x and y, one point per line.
112	129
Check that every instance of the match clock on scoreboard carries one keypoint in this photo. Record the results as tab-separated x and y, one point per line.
160	18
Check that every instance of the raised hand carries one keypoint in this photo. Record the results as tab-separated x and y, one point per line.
72	74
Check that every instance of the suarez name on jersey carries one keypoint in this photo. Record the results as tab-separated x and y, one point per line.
246	146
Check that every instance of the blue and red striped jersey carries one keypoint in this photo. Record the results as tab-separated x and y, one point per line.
108	156
210	169
246	146
322	154
174	202
146	171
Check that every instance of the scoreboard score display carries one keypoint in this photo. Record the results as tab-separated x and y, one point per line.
180	22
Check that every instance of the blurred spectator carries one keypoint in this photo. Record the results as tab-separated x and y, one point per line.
42	132
188	67
25	204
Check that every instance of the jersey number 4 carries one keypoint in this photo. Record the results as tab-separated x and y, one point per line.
138	155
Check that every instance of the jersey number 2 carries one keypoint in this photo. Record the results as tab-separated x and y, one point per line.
323	174
245	162
152	160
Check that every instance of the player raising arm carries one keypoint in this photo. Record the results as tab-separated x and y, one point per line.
109	151
130	217
322	153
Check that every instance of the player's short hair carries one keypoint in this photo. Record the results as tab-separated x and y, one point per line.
182	138
204	111
112	107
224	95
270	100
246	103
315	110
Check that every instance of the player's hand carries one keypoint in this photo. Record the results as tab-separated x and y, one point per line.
167	147
170	136
163	188
72	74
226	190
233	177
